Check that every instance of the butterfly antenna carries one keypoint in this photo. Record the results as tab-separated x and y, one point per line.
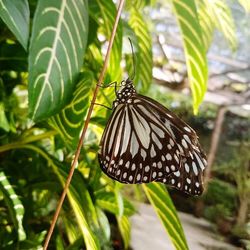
133	57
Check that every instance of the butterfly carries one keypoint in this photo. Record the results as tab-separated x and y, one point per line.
145	142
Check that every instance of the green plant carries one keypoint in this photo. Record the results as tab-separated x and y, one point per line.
221	192
51	70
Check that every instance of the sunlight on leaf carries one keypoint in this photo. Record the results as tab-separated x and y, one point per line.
70	120
125	229
245	4
144	61
108	13
108	201
195	52
219	13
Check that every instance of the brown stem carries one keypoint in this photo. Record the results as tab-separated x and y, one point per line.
214	143
80	144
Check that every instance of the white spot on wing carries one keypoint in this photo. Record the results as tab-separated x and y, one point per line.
143	154
186	167
159	164
133	167
177	173
187	129
169	157
156	141
195	168
152	151
184	143
186	137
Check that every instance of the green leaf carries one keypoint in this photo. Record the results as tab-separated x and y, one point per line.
104	223
195	52
207	25
108	12
119	198
163	205
14	204
245	4
4	124
144	61
70	120
78	196
58	42
82	206
108	201
125	229
89	238
15	13
220	15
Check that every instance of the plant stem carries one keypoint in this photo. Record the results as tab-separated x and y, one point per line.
80	144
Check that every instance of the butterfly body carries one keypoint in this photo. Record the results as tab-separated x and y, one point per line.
144	142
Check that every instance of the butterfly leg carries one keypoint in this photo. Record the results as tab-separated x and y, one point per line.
102	105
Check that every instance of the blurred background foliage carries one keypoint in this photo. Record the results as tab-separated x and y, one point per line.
35	155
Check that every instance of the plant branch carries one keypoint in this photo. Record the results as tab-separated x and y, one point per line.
80	144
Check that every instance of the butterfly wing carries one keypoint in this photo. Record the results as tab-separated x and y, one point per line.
189	177
136	148
146	142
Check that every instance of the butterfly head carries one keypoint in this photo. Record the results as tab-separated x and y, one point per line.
125	93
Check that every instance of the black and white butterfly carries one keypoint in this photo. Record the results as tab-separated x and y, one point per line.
144	142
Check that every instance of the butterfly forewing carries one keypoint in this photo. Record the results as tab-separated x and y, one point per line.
144	142
134	149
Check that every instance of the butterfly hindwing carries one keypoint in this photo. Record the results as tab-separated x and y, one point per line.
189	177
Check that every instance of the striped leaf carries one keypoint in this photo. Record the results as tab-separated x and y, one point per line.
144	61
14	204
104	223
70	120
108	202
108	12
82	206
207	25
78	196
16	14
125	229
219	13
195	52
58	42
245	4
164	208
